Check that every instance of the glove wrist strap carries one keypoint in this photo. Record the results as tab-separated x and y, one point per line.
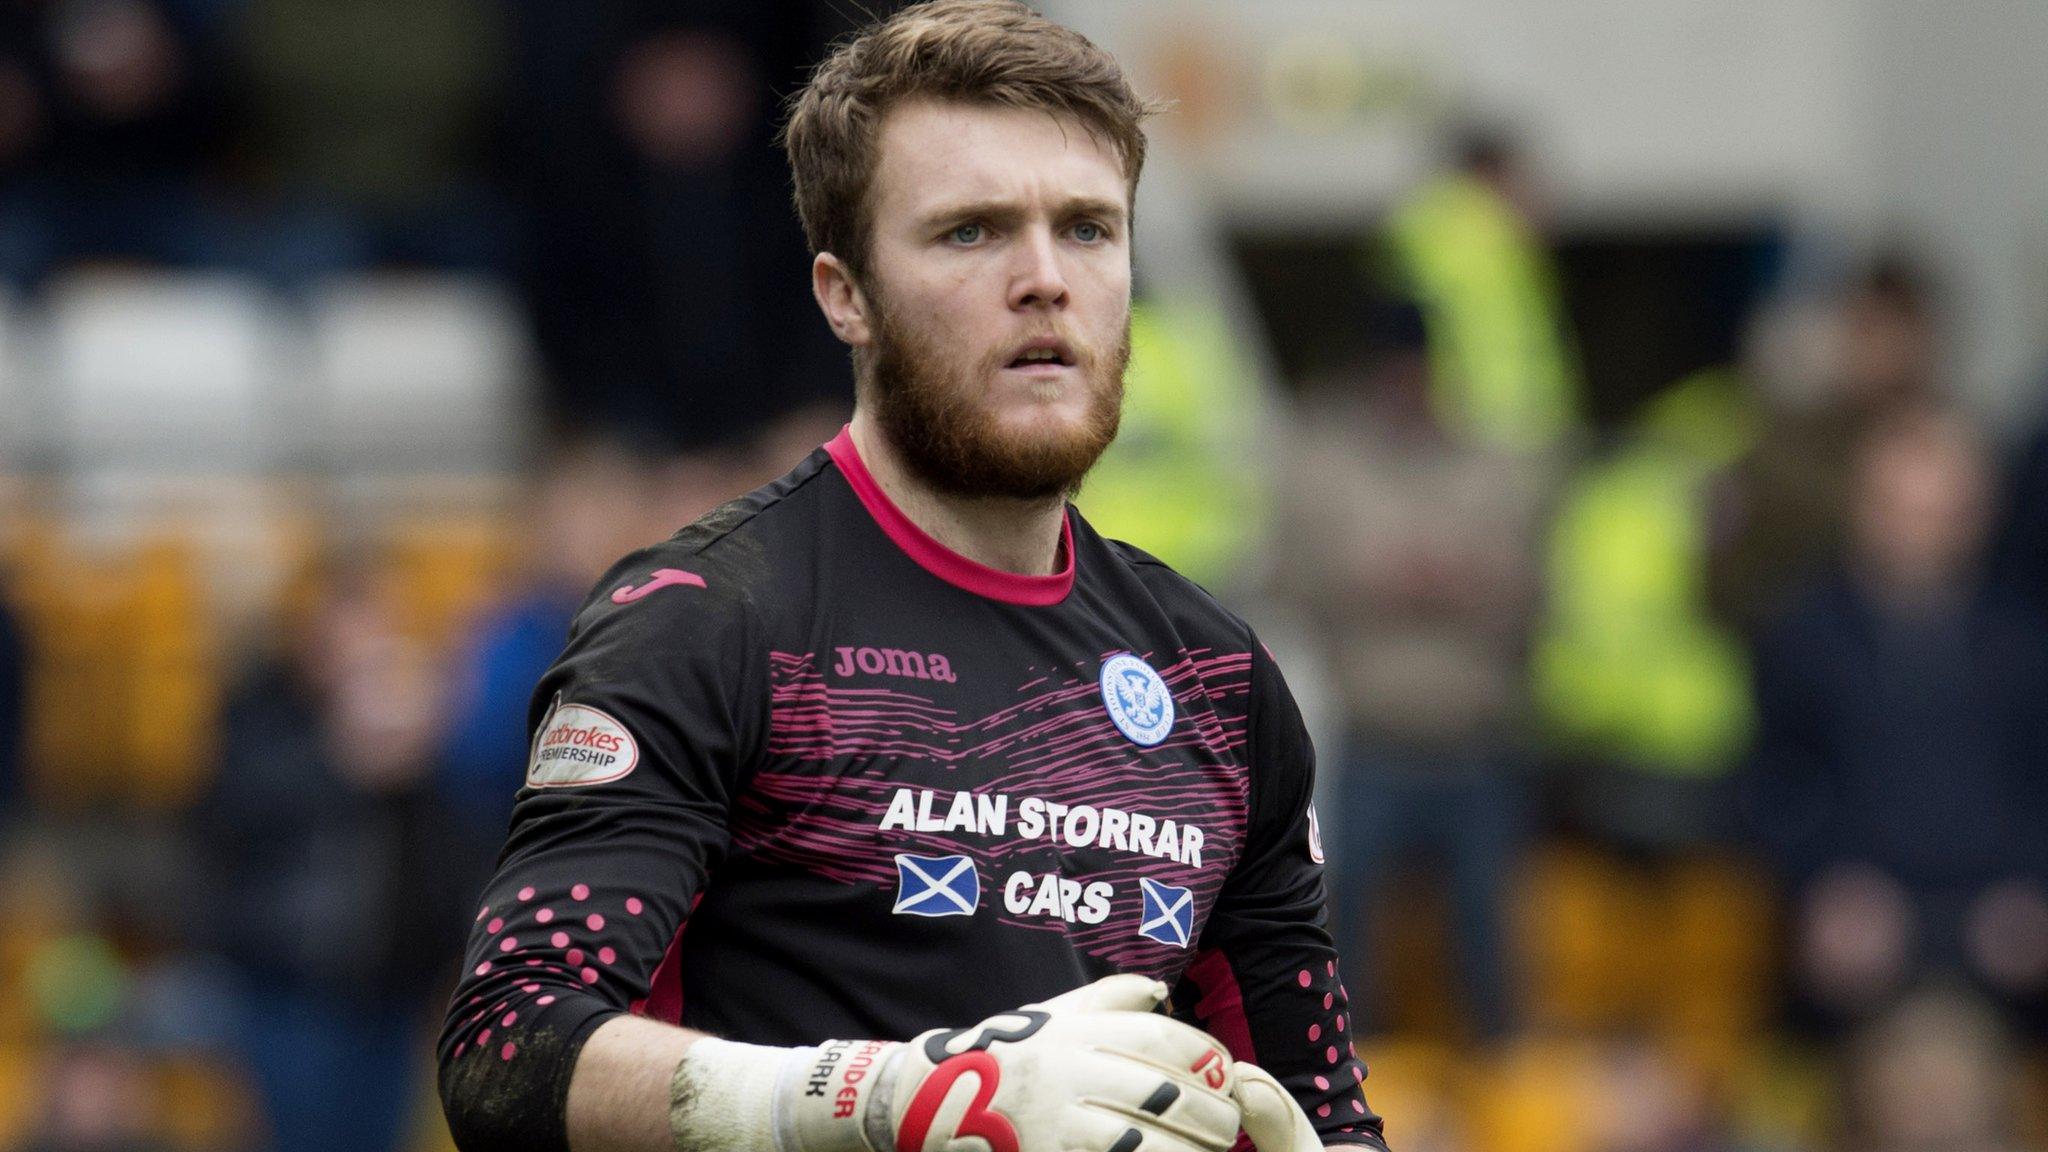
837	1098
724	1096
731	1097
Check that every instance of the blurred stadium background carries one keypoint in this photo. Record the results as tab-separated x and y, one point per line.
1621	416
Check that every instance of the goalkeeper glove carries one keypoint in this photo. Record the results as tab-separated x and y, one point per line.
1094	1070
1271	1117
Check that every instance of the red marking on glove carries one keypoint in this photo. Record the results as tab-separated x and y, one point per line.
979	1120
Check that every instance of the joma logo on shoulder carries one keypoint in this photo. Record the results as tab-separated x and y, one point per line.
893	662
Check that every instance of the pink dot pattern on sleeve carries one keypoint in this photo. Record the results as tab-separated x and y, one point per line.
544	968
1326	992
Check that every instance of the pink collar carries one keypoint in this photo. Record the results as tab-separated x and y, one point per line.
941	561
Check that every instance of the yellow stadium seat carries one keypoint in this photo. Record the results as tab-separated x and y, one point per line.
1410	950
124	680
1582	928
1413	1081
447	568
75	711
1683	947
177	689
1534	1095
1719	946
19	1100
206	1103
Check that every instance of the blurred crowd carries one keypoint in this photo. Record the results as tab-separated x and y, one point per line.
1682	772
610	159
1708	741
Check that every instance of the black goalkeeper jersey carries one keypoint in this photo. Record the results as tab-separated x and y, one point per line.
803	773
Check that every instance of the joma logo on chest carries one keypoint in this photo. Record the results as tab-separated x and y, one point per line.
892	662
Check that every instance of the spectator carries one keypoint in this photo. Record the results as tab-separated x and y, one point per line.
110	113
586	509
666	271
1827	369
1642	692
330	891
1902	728
1467	244
1185	479
372	123
1414	554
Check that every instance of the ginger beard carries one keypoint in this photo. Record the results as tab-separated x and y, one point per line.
926	401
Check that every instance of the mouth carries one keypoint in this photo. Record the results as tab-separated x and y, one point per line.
1042	356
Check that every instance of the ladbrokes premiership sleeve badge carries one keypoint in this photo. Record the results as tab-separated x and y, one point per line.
578	744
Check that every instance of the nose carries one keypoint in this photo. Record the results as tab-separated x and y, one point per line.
1037	281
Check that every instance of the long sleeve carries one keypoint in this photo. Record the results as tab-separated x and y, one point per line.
1265	976
642	732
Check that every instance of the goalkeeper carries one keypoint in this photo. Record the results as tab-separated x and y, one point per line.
890	808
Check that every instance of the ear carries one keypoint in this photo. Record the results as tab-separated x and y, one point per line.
839	297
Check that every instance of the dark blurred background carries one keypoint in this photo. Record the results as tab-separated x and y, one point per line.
1622	420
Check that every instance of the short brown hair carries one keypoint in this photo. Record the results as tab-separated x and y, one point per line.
996	52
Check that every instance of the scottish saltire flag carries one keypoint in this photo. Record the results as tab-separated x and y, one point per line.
1169	912
936	885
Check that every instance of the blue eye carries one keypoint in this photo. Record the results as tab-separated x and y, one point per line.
1088	232
966	234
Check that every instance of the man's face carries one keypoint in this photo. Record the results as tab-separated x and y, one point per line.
998	288
1922	501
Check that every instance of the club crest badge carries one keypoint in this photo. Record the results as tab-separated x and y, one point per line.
1137	700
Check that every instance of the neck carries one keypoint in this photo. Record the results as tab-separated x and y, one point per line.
1020	536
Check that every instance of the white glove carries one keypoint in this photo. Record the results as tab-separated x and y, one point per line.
1271	1117
1094	1070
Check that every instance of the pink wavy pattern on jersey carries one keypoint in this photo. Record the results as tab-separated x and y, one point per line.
810	720
1056	743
